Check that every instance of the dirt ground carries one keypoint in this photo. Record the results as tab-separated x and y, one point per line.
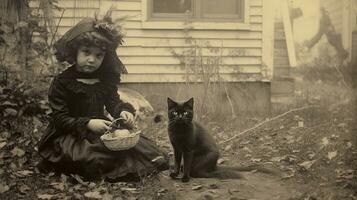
314	150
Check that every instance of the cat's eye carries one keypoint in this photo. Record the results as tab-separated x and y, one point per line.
174	113
185	113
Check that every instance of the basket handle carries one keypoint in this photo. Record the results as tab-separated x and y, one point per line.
113	125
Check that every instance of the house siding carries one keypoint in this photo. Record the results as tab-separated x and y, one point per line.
148	53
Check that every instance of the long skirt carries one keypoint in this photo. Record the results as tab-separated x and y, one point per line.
92	160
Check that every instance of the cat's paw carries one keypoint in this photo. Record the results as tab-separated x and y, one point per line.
185	179
174	175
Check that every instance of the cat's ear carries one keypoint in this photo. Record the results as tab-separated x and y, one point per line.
189	103
170	103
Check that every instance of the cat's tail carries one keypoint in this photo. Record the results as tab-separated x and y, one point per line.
226	172
256	168
220	173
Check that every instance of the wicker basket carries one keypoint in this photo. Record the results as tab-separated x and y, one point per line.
117	142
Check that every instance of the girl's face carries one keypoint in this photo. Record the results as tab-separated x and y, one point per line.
89	58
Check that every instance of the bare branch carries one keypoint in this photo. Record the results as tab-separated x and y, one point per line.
266	121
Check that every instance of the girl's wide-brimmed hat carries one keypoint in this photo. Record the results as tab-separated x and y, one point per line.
104	28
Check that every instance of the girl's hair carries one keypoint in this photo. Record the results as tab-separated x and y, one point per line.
86	39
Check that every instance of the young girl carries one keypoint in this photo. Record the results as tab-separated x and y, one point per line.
77	98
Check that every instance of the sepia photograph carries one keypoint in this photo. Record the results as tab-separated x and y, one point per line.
178	99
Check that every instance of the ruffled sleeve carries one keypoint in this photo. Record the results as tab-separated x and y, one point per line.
58	100
115	105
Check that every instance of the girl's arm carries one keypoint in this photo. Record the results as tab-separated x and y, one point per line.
58	97
115	105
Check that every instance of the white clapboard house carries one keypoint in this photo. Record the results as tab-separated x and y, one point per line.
252	45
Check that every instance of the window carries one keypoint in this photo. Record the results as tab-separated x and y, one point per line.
198	10
171	6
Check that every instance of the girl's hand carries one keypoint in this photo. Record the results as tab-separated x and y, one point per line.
98	125
128	117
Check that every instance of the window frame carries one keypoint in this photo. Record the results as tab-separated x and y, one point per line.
166	16
198	14
222	17
177	21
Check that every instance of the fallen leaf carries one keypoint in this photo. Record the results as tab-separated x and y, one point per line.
92	185
18	152
94	195
5	134
331	155
277	159
10	112
162	190
45	196
58	186
334	137
307	164
247	149
325	142
77	187
345	174
27	142
287	176
234	190
64	179
79	179
349	145
24	189
212	191
2	144
3	188
256	159
311	155
77	196
25	172
290	139
228	147
13	166
221	160
129	189
197	187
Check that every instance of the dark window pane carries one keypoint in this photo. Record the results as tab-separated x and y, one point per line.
221	6
171	6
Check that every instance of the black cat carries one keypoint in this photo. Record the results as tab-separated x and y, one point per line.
197	147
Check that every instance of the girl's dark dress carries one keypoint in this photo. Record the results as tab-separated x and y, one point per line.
71	148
